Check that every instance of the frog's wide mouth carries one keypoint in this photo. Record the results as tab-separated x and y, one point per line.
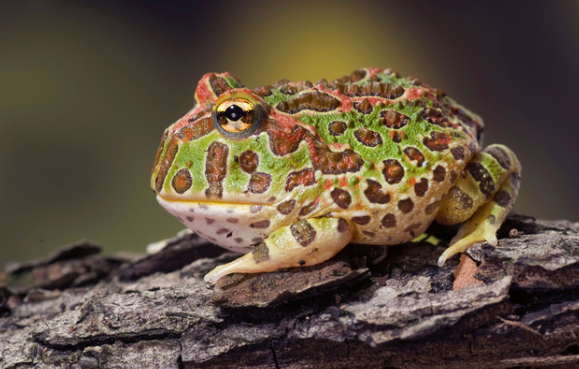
210	203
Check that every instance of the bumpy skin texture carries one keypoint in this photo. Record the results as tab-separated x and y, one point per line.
293	172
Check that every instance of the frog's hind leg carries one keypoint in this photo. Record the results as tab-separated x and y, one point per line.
483	197
304	243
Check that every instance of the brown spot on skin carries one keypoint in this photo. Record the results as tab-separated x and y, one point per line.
238	240
430	208
219	84
439	173
209	221
453	176
283	143
502	198
368	234
364	106
256	239
330	162
198	128
232	220
355	76
374	193
182	181
412	227
396	136
261	253
303	232
491	219
304	177
165	165
341	197
159	150
413	154
343	225
248	161
301	263
363	220
260	224
190	218
421	187
308	208
222	231
406	205
457	153
286	207
500	156
259	182
216	168
336	128
368	137
316	101
371	88
457	196
438	141
434	116
393	119
393	171
486	183
389	221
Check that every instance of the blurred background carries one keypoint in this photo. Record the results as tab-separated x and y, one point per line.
87	88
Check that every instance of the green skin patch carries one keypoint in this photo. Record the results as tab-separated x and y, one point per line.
407	141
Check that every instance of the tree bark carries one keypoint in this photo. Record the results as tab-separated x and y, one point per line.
362	309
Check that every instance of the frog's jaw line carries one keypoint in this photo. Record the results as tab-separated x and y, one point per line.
237	227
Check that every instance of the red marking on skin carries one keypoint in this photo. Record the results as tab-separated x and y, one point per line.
412	181
373	72
203	91
283	120
337	146
328	185
415	93
343	182
359	207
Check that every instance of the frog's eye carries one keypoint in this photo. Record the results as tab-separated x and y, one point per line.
237	116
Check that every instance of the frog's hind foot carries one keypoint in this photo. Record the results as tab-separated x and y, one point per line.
495	176
304	243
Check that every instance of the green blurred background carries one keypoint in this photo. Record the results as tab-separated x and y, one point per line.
87	88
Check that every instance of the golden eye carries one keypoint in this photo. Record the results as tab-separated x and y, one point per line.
235	115
238	114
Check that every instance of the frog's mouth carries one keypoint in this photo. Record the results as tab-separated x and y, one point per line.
234	226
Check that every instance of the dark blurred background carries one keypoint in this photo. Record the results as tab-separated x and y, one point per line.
87	88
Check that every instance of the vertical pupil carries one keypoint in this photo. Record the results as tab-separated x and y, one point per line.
234	112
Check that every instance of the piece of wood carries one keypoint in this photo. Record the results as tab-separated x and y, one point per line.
362	309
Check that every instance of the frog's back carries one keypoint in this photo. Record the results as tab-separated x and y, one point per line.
387	148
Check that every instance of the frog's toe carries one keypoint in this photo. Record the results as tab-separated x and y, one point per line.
463	240
306	242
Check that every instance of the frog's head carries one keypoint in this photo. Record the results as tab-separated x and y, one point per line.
232	151
232	147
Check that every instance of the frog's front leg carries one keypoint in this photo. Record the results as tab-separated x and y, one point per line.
483	197
306	242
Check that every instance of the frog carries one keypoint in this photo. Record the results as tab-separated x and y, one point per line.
288	174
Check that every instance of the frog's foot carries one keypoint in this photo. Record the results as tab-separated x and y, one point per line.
306	242
483	197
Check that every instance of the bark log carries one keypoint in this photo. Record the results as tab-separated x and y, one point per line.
362	309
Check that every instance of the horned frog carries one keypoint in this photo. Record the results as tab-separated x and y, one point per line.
291	173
